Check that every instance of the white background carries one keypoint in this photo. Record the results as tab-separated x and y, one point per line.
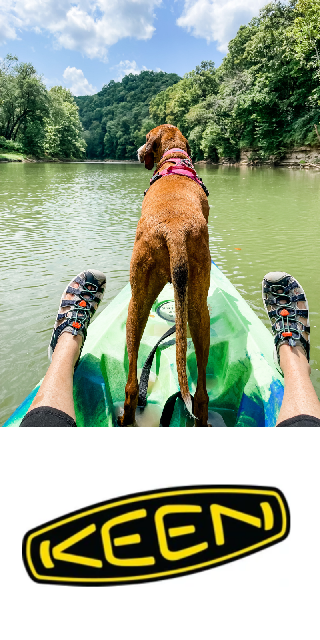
286	575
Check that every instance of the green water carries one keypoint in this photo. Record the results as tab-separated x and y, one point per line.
58	219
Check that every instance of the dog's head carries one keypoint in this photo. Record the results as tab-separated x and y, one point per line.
160	140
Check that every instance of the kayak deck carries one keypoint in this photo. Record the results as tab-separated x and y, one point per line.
244	385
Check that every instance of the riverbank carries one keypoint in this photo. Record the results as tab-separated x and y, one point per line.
18	157
300	158
273	165
11	157
305	157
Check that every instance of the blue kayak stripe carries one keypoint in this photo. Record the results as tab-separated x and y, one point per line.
22	409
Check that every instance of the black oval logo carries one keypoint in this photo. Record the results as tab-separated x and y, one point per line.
156	535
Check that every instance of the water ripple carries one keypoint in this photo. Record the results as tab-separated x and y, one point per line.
56	219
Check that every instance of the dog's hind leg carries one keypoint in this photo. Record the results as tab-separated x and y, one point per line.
145	290
199	325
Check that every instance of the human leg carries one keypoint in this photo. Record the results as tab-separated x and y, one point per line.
287	307
53	404
299	397
57	387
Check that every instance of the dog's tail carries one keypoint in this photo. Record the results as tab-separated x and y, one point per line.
179	268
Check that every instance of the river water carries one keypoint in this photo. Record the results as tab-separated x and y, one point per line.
57	219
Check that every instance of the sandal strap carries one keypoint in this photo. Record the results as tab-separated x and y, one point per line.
289	327
303	313
94	295
67	303
293	342
79	302
281	284
301	297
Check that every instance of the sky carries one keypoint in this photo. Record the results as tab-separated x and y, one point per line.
84	44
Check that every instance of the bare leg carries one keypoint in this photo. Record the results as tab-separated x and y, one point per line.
299	394
299	397
57	387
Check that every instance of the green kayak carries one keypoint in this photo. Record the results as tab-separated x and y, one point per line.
245	387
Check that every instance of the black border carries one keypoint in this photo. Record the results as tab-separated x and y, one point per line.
140	495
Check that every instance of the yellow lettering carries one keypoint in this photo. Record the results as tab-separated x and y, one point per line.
176	531
217	511
59	549
45	554
268	515
125	540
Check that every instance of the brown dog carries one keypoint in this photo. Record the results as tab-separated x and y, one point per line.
171	245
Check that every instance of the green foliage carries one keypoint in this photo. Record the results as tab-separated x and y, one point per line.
173	105
34	120
63	129
9	145
306	29
265	95
116	119
23	100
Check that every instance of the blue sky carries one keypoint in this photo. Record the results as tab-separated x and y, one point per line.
82	44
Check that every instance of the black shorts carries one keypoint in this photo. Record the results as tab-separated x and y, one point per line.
49	417
300	421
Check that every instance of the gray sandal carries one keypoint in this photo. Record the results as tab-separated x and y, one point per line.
282	292
78	311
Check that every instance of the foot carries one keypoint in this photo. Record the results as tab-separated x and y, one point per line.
78	304
127	419
286	304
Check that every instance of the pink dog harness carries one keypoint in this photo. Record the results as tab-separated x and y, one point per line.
182	167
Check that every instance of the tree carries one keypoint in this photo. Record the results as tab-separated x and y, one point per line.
114	119
306	29
23	97
63	129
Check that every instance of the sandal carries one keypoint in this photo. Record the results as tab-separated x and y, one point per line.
88	289
281	295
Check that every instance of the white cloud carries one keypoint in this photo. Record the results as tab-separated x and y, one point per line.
88	26
8	24
125	67
79	84
217	20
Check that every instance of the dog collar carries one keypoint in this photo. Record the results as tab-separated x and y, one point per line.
182	167
174	151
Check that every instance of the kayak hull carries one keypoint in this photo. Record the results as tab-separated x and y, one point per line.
244	385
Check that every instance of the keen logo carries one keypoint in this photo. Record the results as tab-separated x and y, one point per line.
156	535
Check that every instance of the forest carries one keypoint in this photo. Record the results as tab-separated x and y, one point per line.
33	120
265	96
116	119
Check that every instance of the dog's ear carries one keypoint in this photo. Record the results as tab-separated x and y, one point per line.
188	150
149	161
150	149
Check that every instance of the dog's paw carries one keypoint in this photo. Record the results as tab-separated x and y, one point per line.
123	423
